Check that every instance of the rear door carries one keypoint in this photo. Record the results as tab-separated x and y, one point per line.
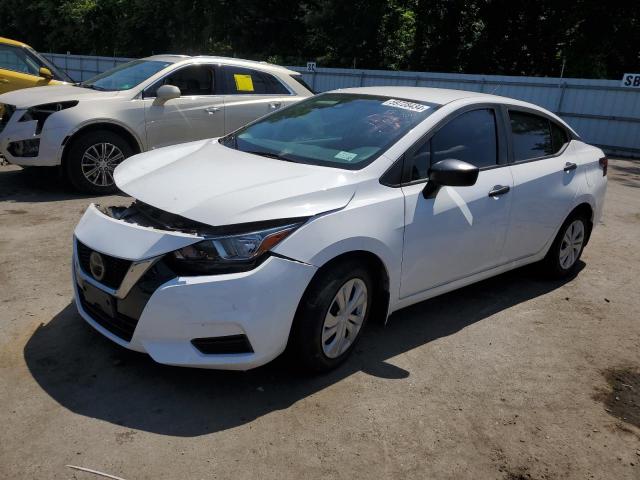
461	231
17	69
196	115
250	94
545	174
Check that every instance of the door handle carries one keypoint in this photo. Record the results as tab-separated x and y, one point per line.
499	190
275	105
568	167
212	110
4	80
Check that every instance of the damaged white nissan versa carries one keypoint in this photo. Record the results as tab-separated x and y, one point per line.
296	229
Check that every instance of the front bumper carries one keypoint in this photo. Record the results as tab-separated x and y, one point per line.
50	142
259	304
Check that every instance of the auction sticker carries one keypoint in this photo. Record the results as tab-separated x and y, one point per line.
348	156
414	107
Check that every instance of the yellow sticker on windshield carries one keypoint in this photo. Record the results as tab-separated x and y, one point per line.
244	83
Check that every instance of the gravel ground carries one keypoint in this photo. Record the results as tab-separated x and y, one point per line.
512	378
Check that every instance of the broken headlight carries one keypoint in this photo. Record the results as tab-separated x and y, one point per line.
40	113
229	253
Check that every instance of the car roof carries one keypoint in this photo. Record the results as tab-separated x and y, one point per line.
442	96
174	58
167	57
8	41
439	96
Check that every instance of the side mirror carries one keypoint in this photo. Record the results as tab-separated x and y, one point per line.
45	73
450	172
166	93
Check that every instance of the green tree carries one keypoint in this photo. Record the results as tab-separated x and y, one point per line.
514	37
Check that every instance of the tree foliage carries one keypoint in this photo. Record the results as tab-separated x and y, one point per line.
512	37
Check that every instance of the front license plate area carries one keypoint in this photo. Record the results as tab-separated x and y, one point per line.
99	300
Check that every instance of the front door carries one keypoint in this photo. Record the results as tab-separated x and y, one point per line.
461	231
196	115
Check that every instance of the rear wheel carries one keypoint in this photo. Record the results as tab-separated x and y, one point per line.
564	253
331	316
93	157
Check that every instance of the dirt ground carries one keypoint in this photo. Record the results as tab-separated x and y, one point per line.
512	378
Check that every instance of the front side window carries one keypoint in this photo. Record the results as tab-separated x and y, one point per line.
192	80
15	59
125	76
58	74
470	137
339	130
535	136
244	81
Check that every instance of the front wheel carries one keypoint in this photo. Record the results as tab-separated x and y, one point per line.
93	157
562	258
331	316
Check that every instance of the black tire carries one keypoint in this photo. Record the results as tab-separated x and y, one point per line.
305	341
551	265
82	144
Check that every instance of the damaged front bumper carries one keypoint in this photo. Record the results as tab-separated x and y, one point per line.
153	310
22	144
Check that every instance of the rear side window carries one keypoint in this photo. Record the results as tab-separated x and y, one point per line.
245	81
193	80
535	136
470	137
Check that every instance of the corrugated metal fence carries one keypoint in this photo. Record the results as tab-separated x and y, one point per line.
83	67
601	111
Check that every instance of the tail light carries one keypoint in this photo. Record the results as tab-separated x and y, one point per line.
604	164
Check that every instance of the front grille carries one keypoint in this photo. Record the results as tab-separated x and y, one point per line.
127	310
114	268
120	325
223	345
6	112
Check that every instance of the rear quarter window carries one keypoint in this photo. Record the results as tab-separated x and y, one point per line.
559	137
298	78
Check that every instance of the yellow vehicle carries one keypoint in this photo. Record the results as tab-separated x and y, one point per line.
22	67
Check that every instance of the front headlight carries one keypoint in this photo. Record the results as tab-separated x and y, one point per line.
41	112
229	253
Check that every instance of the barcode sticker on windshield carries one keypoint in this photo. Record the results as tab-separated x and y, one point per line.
346	156
414	107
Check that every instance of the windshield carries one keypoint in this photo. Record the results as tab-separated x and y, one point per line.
336	129
125	76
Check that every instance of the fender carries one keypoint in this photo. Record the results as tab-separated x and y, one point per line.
579	200
99	121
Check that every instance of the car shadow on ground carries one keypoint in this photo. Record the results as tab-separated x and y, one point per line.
35	185
91	376
627	175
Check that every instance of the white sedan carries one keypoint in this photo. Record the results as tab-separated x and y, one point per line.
296	229
90	127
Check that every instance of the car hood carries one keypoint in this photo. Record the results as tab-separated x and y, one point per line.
29	97
212	184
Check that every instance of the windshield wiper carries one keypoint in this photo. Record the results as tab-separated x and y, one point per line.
277	156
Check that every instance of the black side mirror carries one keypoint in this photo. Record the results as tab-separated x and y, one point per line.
450	172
